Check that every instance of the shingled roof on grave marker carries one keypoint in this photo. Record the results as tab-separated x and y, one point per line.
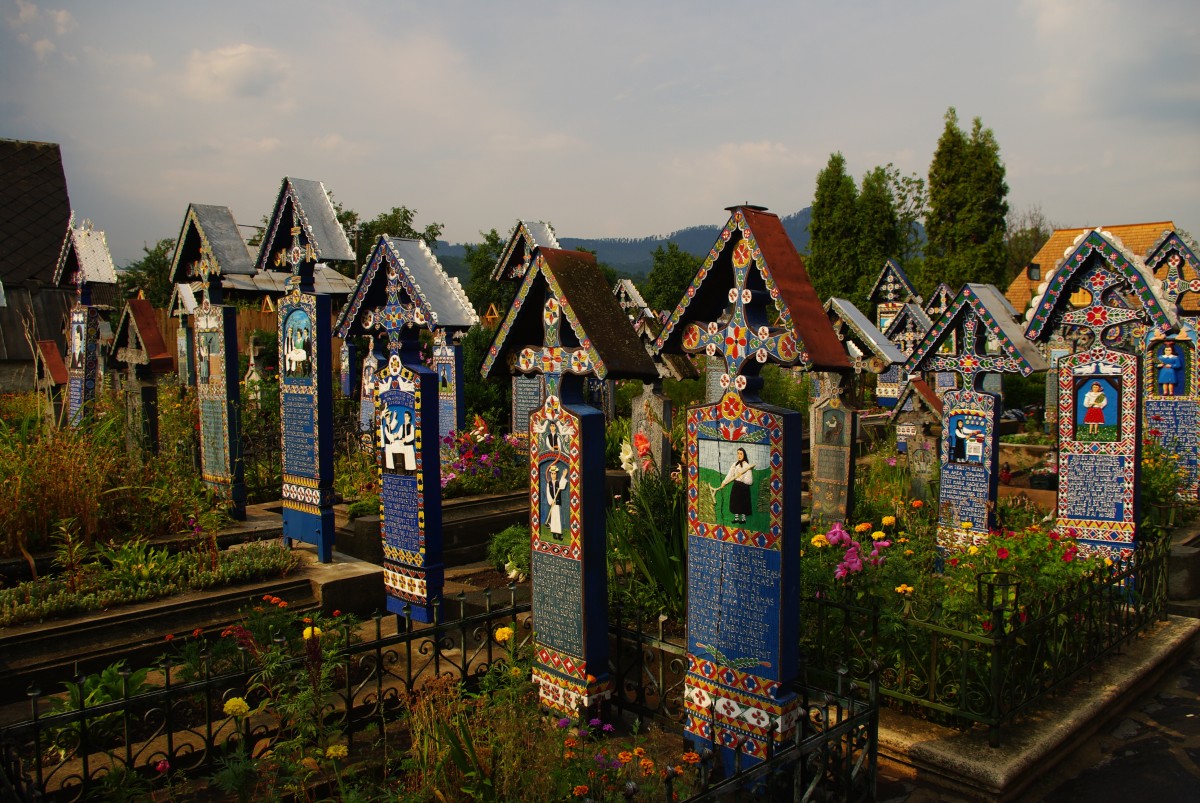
526	237
52	361
35	211
939	301
210	231
594	317
849	322
1173	262
305	203
440	296
986	303
892	286
85	249
780	272
910	319
919	391
1049	301
139	324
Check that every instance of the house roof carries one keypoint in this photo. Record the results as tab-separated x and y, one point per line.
138	330
525	238
35	211
785	277
43	310
589	309
210	231
85	249
439	295
1137	237
305	203
1052	295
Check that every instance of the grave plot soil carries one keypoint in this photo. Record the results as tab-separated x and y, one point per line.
485	579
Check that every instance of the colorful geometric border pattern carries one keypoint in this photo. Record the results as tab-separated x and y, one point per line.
298	219
968	306
553	410
737	223
1174	285
950	532
1120	263
302	493
1100	534
726	418
569	696
740	705
384	252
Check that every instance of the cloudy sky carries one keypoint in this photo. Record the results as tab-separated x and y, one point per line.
608	119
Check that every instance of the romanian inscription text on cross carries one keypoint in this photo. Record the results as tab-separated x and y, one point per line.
553	359
746	334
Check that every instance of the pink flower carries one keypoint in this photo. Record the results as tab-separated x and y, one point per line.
162	766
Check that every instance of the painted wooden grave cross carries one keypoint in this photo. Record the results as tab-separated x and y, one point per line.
303	230
969	453
138	345
1103	292
564	303
83	352
405	409
1171	382
892	290
908	326
750	303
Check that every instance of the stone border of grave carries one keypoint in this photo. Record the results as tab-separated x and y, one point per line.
964	764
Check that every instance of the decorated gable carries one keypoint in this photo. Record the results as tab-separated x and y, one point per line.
209	245
303	229
1173	262
526	237
138	341
866	346
892	290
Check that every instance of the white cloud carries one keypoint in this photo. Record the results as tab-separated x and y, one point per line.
43	48
236	72
63	21
26	13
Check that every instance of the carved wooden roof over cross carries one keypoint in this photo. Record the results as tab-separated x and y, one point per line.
85	251
523	241
407	269
305	204
564	319
138	340
907	328
922	396
1176	258
979	314
1097	287
209	236
892	286
866	346
939	301
752	298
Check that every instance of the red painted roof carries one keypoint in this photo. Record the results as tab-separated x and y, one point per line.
55	367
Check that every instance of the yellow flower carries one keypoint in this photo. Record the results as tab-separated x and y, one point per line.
337	751
966	525
312	632
902	540
904	588
889	521
865	527
503	634
972	550
1108	561
878	535
820	541
236	707
515	671
908	552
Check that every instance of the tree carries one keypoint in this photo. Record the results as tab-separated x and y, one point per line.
911	201
481	259
399	221
833	254
151	274
879	236
670	274
1026	231
967	207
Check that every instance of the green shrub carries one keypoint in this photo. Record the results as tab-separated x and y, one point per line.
511	545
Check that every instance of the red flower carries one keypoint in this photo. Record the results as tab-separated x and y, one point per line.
987	627
1002	553
953	561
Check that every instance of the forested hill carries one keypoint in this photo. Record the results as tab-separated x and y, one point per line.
632	256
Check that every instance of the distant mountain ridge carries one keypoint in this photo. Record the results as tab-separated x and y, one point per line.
633	256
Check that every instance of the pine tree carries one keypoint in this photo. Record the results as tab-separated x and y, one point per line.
669	277
879	235
833	253
967	207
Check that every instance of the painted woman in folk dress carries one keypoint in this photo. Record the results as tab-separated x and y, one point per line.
1094	402
740	476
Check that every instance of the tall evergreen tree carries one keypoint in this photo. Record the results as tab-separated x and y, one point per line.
967	207
833	253
481	259
879	234
669	277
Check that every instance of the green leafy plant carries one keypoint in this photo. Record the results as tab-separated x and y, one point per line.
648	533
510	551
113	683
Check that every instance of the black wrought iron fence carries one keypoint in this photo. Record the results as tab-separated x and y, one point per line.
988	673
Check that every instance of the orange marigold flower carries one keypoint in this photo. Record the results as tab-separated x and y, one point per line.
282	603
569	754
647	766
639	751
197	633
691	757
580	791
863	527
917	504
169	637
624	756
570	742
